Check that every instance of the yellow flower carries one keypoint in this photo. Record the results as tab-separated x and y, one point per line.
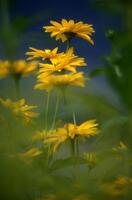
40	135
20	109
56	138
121	147
23	68
91	158
47	83
67	61
122	185
70	131
17	68
31	153
67	29
4	65
86	129
46	54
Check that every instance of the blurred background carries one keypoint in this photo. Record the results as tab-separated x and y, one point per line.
107	96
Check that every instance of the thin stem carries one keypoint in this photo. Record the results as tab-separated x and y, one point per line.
77	146
48	156
76	140
74	117
73	147
17	88
56	110
47	111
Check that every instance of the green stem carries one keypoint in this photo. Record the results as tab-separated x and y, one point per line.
47	111
73	147
56	110
77	146
17	88
74	117
48	156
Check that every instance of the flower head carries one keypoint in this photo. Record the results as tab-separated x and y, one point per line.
63	62
67	29
17	68
71	131
49	82
46	54
86	129
20	109
4	65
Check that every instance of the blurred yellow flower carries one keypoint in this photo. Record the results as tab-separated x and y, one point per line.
20	109
49	82
40	135
55	139
17	68
68	29
120	147
46	54
31	153
65	61
122	185
4	65
91	158
86	129
70	131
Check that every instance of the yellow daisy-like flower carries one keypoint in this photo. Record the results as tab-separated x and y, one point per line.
67	29
67	61
17	68
46	54
86	129
49	82
23	68
4	65
20	109
70	131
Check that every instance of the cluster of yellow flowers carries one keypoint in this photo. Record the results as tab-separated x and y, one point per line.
56	69
59	69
